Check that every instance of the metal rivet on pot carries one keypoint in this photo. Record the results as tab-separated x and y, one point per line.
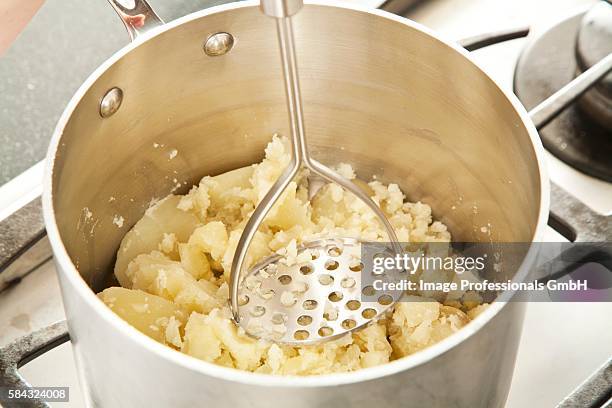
111	102
218	44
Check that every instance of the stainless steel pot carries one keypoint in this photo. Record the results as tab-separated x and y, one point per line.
380	92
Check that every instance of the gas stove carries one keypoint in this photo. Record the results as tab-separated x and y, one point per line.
562	344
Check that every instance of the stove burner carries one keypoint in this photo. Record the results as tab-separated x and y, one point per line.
546	64
594	42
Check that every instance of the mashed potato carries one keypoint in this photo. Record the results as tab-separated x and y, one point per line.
173	268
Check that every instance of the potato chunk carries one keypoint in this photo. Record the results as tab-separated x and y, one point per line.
210	238
289	211
228	197
146	236
223	188
148	313
419	322
206	337
195	261
158	275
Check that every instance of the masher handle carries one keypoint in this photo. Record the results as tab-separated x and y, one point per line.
280	8
281	11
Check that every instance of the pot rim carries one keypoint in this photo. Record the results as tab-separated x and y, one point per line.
70	272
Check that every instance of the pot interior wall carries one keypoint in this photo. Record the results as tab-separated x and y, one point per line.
385	97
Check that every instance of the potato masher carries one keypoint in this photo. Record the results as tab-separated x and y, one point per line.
314	297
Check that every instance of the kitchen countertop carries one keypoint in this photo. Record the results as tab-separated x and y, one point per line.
65	41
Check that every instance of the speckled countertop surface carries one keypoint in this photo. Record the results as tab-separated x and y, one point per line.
62	45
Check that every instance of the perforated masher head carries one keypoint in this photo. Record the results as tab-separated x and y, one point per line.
314	297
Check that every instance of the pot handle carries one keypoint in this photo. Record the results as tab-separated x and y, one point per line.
547	110
21	351
484	40
137	16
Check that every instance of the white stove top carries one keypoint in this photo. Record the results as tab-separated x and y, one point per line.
562	343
